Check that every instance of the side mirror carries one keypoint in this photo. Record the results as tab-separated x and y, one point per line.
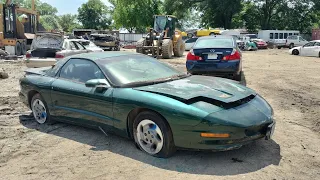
97	83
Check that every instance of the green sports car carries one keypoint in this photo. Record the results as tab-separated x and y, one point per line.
138	97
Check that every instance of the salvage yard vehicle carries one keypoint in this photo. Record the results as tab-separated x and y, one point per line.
310	49
107	42
216	55
89	45
277	37
207	32
293	41
138	97
15	35
48	48
260	43
163	39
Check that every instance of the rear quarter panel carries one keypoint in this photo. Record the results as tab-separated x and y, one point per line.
40	84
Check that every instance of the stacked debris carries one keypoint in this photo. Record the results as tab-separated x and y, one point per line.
6	56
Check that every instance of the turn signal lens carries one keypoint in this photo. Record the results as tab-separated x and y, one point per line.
214	135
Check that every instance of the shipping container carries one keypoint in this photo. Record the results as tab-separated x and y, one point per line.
315	34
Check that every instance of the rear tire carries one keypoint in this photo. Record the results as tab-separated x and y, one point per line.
153	135
295	52
179	48
291	46
18	49
238	77
167	48
23	48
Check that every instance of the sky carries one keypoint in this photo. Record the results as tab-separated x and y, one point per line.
68	6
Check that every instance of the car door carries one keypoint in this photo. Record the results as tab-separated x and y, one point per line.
307	49
74	102
316	49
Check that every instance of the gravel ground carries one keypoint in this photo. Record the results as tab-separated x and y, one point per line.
61	151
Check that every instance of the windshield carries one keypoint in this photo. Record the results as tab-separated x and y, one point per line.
137	69
160	23
214	43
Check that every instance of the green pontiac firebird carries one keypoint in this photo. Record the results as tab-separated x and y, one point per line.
138	97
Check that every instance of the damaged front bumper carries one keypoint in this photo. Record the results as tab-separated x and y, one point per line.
244	124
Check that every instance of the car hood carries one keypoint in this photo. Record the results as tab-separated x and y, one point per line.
217	91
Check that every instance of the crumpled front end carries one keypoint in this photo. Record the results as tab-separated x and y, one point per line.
242	124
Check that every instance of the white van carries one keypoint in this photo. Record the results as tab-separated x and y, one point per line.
277	37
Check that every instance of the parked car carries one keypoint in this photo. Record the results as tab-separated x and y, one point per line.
189	43
260	43
141	98
207	32
293	41
217	55
310	49
48	48
90	45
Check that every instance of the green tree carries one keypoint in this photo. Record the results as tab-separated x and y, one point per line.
50	22
94	15
135	15
218	13
68	22
42	8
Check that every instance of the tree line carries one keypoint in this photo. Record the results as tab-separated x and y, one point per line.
137	15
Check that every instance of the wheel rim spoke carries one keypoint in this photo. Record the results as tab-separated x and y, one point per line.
150	136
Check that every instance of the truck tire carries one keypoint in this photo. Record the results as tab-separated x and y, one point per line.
23	48
179	48
18	49
139	46
167	48
291	46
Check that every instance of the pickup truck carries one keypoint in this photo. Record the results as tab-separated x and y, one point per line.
293	41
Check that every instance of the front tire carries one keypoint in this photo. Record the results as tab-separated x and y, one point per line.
295	52
40	110
238	77
167	48
152	135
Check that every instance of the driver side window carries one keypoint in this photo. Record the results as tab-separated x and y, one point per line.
309	44
81	70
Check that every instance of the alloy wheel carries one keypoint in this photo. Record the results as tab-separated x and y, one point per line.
39	111
149	136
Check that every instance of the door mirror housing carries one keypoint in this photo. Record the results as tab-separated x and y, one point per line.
98	83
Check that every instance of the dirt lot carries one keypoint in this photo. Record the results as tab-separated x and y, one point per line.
62	151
